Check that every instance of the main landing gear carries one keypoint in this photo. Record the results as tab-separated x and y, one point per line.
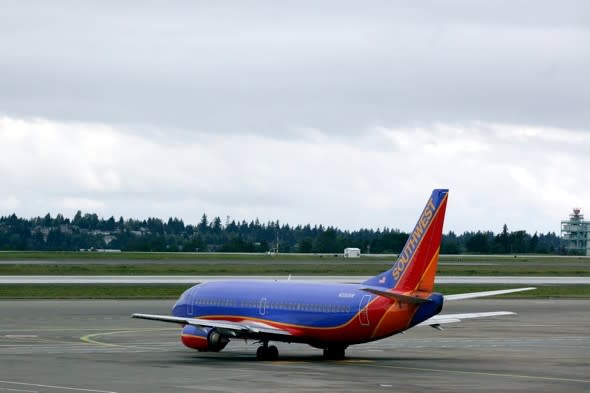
334	353
270	352
266	352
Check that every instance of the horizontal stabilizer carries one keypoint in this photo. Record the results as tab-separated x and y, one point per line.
452	318
474	295
395	296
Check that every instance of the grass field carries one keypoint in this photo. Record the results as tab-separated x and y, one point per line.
319	268
50	291
161	256
180	256
136	263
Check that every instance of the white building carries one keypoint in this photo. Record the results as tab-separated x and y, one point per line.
352	252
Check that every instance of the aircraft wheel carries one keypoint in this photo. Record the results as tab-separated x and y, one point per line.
261	353
272	353
339	353
267	353
335	353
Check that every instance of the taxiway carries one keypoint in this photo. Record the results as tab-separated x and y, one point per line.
94	346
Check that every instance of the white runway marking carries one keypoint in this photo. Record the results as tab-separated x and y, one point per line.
57	387
484	373
19	390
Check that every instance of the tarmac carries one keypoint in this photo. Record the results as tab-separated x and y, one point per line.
94	346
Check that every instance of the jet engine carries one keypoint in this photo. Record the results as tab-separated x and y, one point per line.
203	339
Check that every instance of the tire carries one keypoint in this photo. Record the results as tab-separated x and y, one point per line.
272	353
335	353
261	353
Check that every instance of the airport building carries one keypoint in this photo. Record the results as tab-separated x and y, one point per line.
575	233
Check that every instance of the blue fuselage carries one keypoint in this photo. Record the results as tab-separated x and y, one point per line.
312	310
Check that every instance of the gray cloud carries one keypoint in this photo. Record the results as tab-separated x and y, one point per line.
340	113
267	67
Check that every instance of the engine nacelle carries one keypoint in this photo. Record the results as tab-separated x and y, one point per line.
203	339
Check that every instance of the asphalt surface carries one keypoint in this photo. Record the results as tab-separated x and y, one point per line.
93	346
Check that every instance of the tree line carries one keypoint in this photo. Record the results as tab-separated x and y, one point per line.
89	231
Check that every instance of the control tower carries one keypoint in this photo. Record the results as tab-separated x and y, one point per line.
575	233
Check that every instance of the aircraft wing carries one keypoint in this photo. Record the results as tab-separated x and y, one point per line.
473	295
452	318
244	328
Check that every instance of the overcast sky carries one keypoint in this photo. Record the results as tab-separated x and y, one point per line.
331	112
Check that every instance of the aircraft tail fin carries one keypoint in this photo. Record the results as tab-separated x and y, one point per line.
415	267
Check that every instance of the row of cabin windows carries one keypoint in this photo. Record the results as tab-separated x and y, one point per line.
270	305
216	302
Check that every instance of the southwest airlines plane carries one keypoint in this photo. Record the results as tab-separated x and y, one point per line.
326	316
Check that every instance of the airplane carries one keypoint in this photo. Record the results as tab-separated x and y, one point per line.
326	316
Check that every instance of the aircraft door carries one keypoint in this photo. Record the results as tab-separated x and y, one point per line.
262	306
190	301
364	310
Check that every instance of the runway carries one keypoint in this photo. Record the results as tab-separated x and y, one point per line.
129	279
93	346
